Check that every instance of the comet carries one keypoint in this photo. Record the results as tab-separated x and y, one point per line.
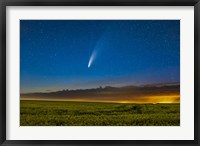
92	58
97	47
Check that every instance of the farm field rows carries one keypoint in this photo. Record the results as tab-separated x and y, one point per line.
68	113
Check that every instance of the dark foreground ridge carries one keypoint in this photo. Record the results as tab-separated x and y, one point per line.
109	93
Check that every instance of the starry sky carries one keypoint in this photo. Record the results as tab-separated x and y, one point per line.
80	54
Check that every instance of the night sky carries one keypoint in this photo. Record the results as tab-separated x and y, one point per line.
80	54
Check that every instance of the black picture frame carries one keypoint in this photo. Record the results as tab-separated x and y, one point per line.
5	3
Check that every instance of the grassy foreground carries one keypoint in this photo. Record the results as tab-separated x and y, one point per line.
65	113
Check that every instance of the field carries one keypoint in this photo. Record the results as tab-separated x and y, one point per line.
65	113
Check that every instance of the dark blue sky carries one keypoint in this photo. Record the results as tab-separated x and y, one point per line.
54	55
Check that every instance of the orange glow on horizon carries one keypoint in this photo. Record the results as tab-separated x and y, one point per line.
139	100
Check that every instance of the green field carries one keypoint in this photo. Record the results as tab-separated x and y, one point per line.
65	113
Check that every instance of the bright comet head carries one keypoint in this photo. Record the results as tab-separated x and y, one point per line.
92	57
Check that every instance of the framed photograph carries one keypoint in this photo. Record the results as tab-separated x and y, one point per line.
99	72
